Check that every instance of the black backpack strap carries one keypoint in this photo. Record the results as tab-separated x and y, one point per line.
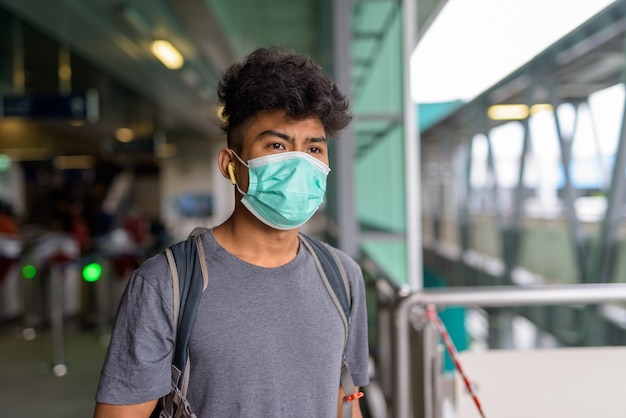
332	271
189	279
190	284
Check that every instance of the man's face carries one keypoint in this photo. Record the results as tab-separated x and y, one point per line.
271	132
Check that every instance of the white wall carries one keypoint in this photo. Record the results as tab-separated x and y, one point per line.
546	383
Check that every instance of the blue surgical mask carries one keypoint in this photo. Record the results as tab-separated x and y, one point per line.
284	189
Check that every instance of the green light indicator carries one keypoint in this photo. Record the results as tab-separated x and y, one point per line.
92	272
29	271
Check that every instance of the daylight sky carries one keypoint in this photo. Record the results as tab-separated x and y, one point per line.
475	43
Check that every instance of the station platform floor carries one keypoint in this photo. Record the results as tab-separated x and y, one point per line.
29	388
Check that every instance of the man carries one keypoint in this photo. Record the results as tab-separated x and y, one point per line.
267	340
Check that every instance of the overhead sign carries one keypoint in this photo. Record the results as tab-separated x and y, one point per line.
74	106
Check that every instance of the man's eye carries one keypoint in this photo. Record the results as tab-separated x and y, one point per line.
315	150
277	145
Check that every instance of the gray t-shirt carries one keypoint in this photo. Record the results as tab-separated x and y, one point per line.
267	342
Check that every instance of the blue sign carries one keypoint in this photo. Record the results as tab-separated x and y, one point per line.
74	106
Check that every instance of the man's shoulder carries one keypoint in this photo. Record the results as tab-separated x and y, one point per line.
154	269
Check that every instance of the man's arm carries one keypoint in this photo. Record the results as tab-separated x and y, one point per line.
356	409
142	410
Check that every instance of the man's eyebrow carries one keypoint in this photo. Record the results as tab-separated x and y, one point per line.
282	135
271	132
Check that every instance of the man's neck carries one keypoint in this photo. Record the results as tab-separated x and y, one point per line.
257	243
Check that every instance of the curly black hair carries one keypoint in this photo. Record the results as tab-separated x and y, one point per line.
279	79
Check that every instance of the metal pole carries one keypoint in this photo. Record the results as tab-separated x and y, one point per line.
348	233
506	296
33	302
402	400
56	317
487	296
411	152
429	350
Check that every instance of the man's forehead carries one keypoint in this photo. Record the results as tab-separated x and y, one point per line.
277	123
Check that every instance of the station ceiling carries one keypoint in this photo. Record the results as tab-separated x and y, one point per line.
589	59
114	36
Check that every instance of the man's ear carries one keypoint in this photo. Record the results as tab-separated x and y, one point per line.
226	165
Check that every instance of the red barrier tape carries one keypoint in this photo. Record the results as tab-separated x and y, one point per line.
431	314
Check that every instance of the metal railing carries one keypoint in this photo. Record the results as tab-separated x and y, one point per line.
481	296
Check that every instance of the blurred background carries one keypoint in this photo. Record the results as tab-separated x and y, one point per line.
484	174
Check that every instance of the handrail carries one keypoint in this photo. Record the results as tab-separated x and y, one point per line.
486	296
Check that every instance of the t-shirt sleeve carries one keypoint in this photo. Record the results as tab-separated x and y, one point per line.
357	348
137	366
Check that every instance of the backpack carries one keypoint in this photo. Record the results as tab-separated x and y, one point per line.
190	279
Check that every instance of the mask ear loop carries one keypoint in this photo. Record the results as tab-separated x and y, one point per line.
239	158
